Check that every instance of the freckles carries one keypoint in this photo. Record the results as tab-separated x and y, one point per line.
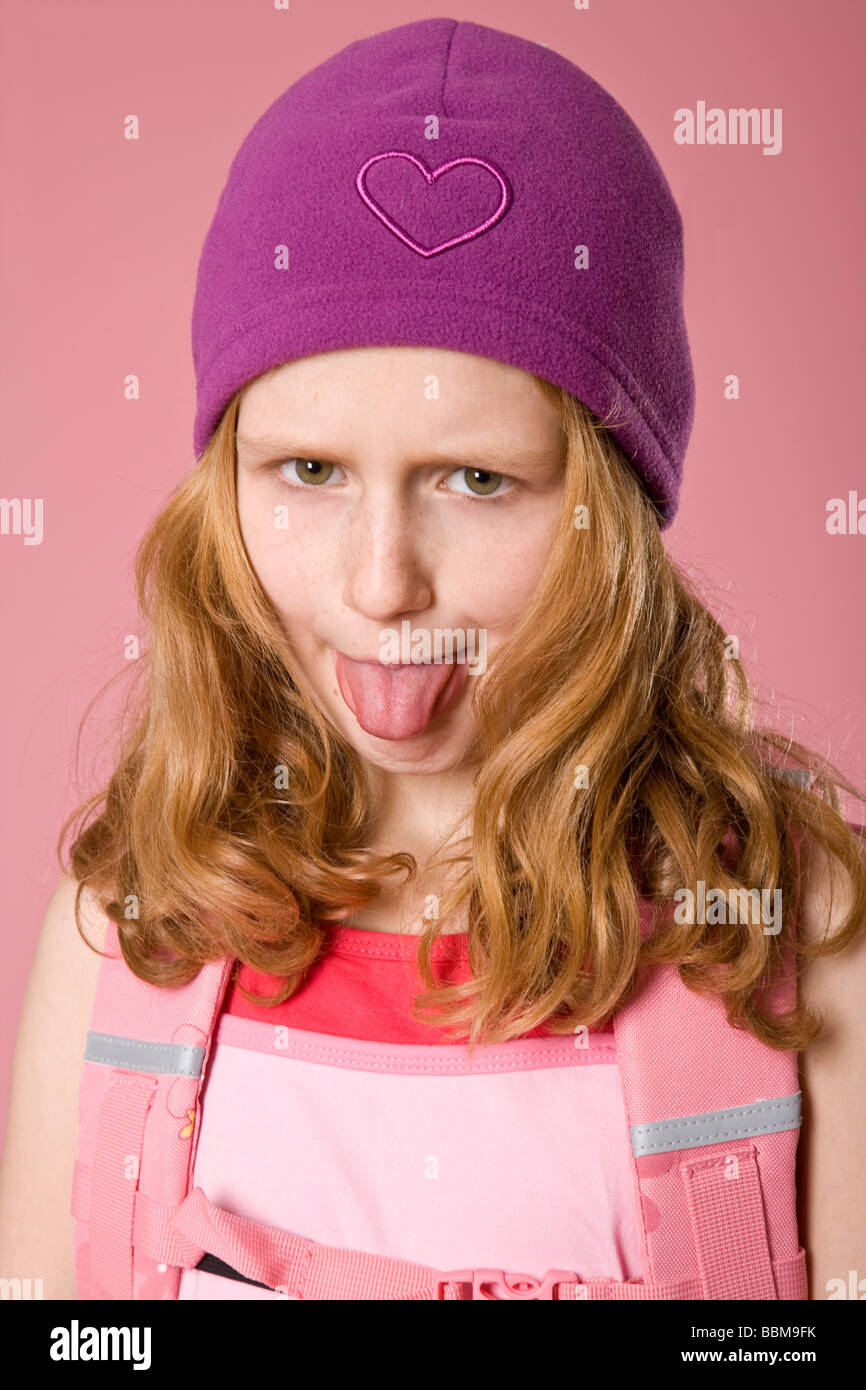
268	548
503	574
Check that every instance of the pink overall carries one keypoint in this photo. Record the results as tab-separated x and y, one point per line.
338	1115
334	1149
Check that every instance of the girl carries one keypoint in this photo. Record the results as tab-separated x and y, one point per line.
426	879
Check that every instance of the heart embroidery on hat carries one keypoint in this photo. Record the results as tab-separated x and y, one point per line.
431	176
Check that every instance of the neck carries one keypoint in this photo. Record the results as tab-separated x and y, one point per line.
416	813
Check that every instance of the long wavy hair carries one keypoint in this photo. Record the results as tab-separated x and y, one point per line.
238	819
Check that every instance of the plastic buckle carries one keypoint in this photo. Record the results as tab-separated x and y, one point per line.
516	1286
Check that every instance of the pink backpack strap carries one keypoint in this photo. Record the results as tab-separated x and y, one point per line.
147	1050
201	1234
714	1119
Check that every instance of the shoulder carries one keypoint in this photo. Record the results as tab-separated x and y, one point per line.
833	983
831	1194
63	974
59	919
65	966
42	1119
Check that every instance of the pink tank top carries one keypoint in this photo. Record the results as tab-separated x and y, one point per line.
339	1117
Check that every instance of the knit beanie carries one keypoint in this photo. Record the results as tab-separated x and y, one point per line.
445	184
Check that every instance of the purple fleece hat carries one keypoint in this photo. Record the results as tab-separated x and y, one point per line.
444	184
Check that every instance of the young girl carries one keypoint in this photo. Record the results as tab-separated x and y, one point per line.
426	879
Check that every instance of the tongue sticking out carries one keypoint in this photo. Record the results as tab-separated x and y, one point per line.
397	701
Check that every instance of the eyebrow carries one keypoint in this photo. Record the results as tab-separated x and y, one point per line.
486	459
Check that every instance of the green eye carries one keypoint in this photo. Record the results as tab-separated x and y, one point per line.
312	470
482	483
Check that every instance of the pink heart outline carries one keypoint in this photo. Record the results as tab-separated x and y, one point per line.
431	178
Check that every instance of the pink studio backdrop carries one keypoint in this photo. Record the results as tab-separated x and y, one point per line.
100	241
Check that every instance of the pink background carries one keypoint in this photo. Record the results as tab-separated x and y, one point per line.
100	242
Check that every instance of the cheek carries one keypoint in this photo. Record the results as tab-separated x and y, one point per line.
497	575
287	562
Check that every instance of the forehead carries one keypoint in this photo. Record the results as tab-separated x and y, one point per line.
414	393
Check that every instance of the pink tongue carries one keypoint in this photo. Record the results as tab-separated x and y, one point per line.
391	701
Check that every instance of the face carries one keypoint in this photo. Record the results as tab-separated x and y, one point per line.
397	505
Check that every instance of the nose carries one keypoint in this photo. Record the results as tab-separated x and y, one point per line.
386	559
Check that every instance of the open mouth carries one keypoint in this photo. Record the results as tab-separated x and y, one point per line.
399	701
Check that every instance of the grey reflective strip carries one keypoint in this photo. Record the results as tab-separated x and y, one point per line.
716	1126
177	1059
